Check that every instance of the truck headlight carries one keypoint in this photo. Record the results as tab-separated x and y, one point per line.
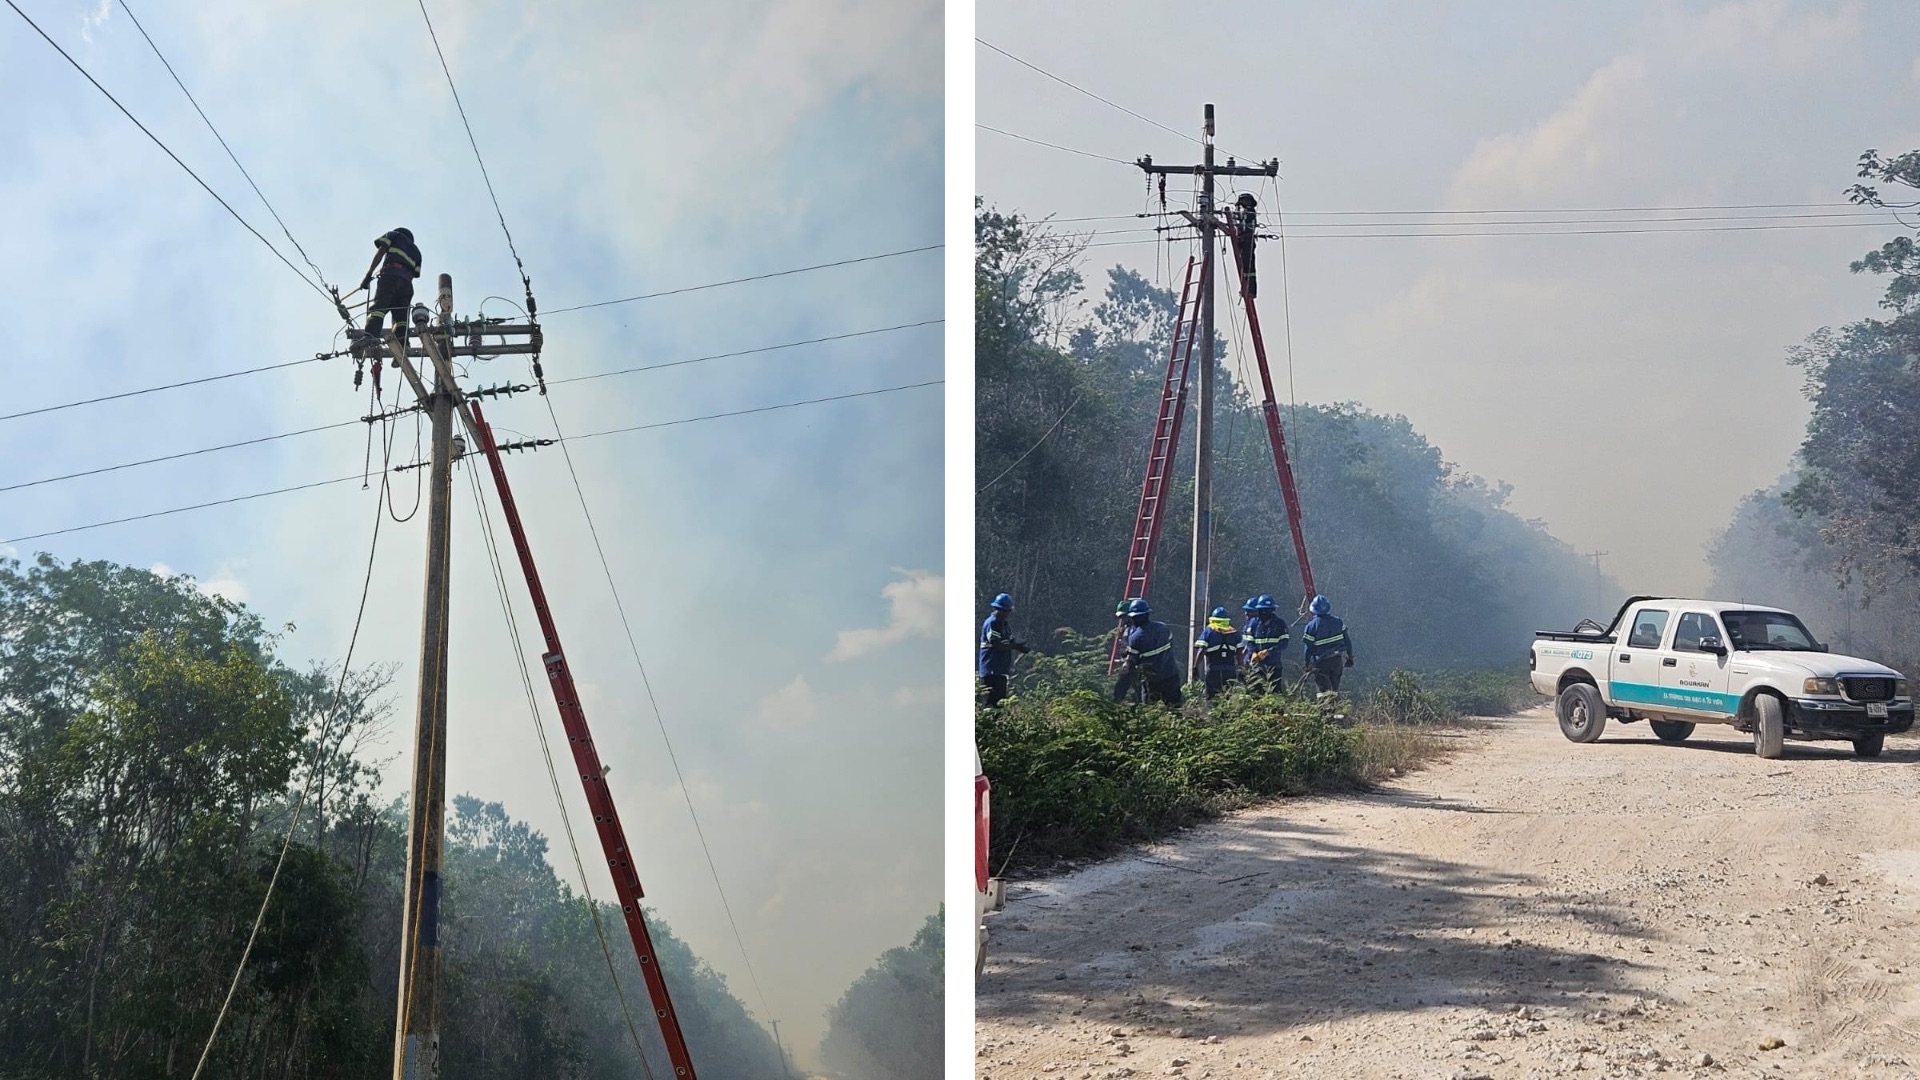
1821	686
1899	688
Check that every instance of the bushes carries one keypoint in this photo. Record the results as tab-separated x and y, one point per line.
1074	773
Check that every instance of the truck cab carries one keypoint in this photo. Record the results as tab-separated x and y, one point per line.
989	893
1678	663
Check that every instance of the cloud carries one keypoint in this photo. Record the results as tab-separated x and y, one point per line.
1914	73
223	583
916	601
1769	30
1585	133
908	697
789	708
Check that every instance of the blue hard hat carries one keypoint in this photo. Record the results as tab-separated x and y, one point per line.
1139	607
1252	604
1264	603
1003	602
1320	605
1219	613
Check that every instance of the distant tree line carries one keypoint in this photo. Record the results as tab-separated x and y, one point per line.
1426	562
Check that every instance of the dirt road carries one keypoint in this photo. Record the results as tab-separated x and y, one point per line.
1526	908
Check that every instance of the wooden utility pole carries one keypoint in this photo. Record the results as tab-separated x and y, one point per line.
1204	174
417	1031
1599	582
781	1047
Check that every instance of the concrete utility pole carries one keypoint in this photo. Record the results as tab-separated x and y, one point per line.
417	1032
1204	174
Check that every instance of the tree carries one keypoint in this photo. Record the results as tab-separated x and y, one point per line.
889	1024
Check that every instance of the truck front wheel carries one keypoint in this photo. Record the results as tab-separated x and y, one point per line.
1673	731
1583	716
1769	727
1869	745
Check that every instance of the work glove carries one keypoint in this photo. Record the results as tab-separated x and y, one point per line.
1349	661
365	282
1020	647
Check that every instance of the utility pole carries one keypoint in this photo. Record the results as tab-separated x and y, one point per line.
781	1047
1204	174
1599	581
417	1030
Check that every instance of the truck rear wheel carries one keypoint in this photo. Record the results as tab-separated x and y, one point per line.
1583	716
1869	745
1673	731
1769	727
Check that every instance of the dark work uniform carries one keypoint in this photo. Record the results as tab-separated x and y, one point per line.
1150	663
1246	221
996	657
1328	649
1265	633
1220	649
393	292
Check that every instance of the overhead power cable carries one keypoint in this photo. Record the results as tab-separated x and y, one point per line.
1501	210
471	141
552	382
1036	445
176	158
1051	146
1083	90
752	277
1297	235
165	386
358	476
223	143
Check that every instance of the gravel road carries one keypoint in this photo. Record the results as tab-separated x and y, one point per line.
1527	907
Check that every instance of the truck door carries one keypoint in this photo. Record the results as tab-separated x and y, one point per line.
1634	678
1693	680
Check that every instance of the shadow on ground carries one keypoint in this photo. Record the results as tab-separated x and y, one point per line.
1284	925
1725	740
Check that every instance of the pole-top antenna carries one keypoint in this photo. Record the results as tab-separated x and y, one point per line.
1209	119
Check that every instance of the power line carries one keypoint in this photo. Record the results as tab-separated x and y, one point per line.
551	382
1084	90
176	457
1517	232
740	352
163	146
471	141
358	476
754	277
1511	210
306	789
1031	449
659	718
750	412
165	386
223	143
1054	146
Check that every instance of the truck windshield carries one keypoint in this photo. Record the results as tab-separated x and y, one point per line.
1752	630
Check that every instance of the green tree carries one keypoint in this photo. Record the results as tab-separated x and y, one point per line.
889	1024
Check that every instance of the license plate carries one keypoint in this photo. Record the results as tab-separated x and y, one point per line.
1877	709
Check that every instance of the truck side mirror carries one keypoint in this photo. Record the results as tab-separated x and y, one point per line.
1713	645
1823	647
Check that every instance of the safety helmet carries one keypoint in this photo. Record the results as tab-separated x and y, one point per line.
1139	607
1320	605
1246	199
1264	603
1252	604
1120	609
404	234
1003	602
1219	613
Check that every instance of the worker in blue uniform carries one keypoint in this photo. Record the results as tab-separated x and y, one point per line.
1149	662
1219	646
1327	645
398	261
1266	640
997	650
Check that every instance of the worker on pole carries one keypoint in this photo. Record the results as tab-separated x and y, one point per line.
1219	646
398	261
1244	219
1150	659
997	649
1266	638
1327	645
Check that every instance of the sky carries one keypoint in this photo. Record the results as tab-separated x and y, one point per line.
781	570
1632	388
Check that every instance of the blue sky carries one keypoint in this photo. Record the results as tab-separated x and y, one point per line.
782	570
1633	388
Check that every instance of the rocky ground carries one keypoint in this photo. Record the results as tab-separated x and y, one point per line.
1526	908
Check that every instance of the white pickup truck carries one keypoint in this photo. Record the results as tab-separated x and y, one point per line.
1677	663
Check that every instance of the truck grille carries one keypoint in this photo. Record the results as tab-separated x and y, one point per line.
1868	689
